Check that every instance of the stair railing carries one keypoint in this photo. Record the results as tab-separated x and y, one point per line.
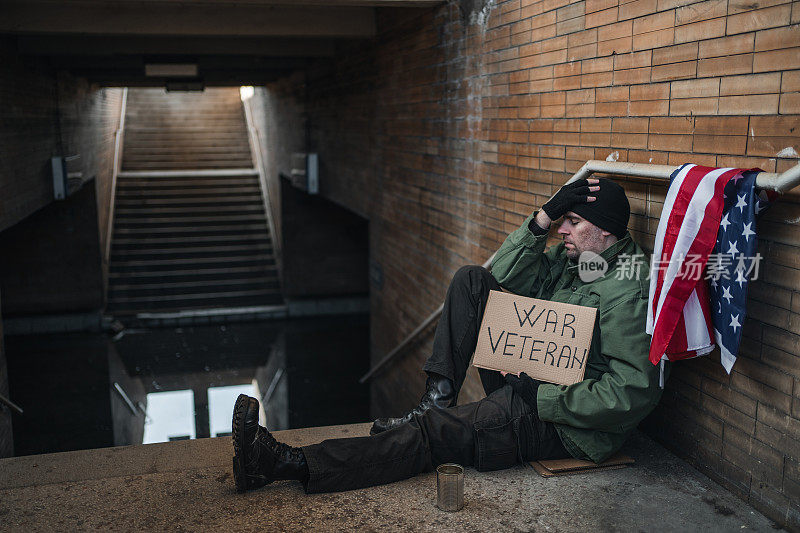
11	405
781	183
119	137
255	137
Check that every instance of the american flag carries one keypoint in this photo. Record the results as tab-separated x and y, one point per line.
736	238
708	212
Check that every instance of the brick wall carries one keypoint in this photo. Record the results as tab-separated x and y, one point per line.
44	114
455	123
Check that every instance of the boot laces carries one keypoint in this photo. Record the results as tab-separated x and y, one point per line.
283	450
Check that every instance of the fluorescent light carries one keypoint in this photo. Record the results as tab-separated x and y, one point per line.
246	92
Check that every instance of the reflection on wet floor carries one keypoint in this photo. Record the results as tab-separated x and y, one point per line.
88	391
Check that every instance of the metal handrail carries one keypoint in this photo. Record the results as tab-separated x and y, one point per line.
11	405
783	182
119	136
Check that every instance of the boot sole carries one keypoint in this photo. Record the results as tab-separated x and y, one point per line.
239	415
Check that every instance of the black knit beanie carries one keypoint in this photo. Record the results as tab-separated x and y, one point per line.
610	211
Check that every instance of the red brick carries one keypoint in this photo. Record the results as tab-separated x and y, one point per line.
615	46
598	5
789	104
629	140
648	108
646	41
774	126
595	139
708	29
701	11
653	91
671	143
777	60
759	20
582	38
725	66
790	81
601	18
748	105
633	60
737	44
674	71
750	84
615	31
631	76
721	125
671	125
630	125
637	8
705	87
777	38
655	22
675	54
612	94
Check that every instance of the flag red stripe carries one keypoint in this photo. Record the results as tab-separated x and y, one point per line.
669	333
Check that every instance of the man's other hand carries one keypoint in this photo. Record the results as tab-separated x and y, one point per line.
526	387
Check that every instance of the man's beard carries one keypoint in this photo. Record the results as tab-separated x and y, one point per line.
572	253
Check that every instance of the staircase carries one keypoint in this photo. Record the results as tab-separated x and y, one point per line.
190	231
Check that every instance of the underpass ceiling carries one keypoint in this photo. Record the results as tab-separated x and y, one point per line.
231	42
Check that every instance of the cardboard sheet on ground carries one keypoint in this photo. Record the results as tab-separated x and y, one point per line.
549	341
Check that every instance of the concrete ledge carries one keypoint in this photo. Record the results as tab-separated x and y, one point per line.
189	485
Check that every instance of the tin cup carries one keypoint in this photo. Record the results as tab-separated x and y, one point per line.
450	487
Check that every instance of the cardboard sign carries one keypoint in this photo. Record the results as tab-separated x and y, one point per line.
549	341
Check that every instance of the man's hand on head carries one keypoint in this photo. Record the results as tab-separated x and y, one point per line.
577	192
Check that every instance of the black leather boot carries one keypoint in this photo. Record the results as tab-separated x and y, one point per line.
439	392
258	458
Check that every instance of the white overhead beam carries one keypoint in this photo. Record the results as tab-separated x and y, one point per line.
168	18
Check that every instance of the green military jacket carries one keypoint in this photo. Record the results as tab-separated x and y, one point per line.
620	386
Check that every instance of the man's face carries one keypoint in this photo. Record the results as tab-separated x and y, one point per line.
580	235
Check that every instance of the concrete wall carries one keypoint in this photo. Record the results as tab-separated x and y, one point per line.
325	247
278	115
451	127
44	114
6	436
55	266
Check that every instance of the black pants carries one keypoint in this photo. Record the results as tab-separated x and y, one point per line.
496	432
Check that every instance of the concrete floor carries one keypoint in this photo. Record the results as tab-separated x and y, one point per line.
188	485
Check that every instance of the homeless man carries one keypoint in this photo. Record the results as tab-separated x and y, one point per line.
520	419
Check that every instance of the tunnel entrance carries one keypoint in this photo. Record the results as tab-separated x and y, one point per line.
197	310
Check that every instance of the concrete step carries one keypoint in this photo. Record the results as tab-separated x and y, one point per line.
188	485
224	229
180	191
181	165
146	213
189	273
153	265
171	289
203	199
187	221
170	239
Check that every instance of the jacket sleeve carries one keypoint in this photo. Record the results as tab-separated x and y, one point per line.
521	263
626	392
